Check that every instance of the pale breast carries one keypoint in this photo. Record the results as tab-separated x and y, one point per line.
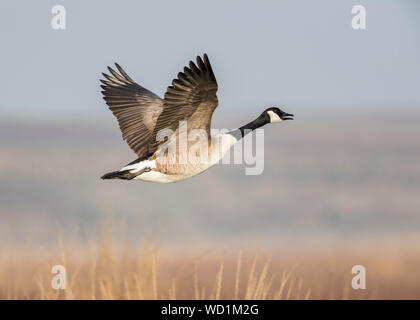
196	158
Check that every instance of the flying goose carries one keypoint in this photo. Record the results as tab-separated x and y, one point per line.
188	105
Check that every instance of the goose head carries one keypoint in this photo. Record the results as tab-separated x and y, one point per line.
276	115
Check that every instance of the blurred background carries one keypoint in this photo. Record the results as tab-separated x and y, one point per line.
345	173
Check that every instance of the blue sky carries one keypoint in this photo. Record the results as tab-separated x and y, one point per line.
287	53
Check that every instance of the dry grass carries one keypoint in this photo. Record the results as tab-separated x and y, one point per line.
104	270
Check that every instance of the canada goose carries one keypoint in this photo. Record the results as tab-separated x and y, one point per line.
141	115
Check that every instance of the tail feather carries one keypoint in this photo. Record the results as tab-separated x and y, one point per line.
125	175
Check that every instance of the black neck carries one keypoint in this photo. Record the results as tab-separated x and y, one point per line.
241	132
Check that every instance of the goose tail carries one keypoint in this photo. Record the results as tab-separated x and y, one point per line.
125	175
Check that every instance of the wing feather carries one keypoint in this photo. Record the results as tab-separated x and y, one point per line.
136	108
191	97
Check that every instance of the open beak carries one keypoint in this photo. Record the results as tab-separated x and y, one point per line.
287	116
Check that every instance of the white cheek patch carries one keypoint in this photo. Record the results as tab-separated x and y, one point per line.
274	117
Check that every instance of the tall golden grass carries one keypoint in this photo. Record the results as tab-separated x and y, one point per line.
106	272
105	269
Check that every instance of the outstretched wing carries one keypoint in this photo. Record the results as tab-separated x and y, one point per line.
136	109
192	98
